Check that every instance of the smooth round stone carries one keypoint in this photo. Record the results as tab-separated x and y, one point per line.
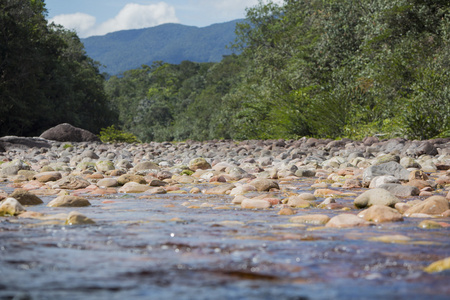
69	201
380	214
346	220
255	204
434	205
195	190
428	224
307	196
26	198
76	218
11	206
108	182
286	211
375	197
134	187
264	185
296	201
315	219
397	238
439	266
322	193
125	178
221	189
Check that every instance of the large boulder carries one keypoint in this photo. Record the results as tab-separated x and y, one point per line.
68	133
24	143
390	168
376	196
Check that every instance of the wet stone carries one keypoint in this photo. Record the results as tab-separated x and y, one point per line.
69	201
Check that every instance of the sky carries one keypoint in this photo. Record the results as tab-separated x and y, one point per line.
99	17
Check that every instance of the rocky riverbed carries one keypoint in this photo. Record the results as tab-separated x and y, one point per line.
297	219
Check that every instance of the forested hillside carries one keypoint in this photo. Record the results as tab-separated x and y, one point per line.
171	43
324	68
45	76
339	68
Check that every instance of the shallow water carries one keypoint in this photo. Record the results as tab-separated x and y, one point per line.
159	249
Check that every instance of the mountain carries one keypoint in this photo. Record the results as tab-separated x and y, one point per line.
172	43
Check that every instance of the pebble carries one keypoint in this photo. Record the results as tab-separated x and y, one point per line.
69	201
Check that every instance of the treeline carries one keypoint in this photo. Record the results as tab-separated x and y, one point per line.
46	78
325	68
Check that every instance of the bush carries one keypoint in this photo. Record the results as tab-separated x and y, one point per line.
114	135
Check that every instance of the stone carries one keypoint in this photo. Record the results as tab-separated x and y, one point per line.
380	214
123	179
428	224
394	238
391	168
255	204
346	220
305	173
13	167
375	197
315	219
26	198
72	182
69	201
221	189
134	187
322	193
385	158
435	205
104	166
264	185
418	175
420	184
47	176
307	196
76	218
11	207
352	184
286	211
199	163
68	133
439	266
298	202
402	207
156	190
409	162
399	190
146	165
380	180
107	182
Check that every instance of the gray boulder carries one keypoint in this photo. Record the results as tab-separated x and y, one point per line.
391	168
68	133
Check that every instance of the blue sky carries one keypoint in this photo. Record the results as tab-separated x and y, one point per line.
98	17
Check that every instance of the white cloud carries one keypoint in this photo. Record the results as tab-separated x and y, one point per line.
79	21
132	16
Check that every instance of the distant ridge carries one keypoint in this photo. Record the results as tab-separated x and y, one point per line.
129	49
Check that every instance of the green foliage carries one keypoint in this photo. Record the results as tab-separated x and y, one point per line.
45	76
114	135
67	146
324	68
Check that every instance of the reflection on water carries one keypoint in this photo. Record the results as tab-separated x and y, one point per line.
159	249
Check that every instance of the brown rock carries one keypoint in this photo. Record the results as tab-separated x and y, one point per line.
286	211
420	184
418	175
352	184
264	185
317	219
255	204
72	183
221	189
26	198
322	193
69	201
131	178
380	214
68	133
76	218
434	205
346	220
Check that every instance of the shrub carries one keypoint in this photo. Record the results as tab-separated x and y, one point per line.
114	135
